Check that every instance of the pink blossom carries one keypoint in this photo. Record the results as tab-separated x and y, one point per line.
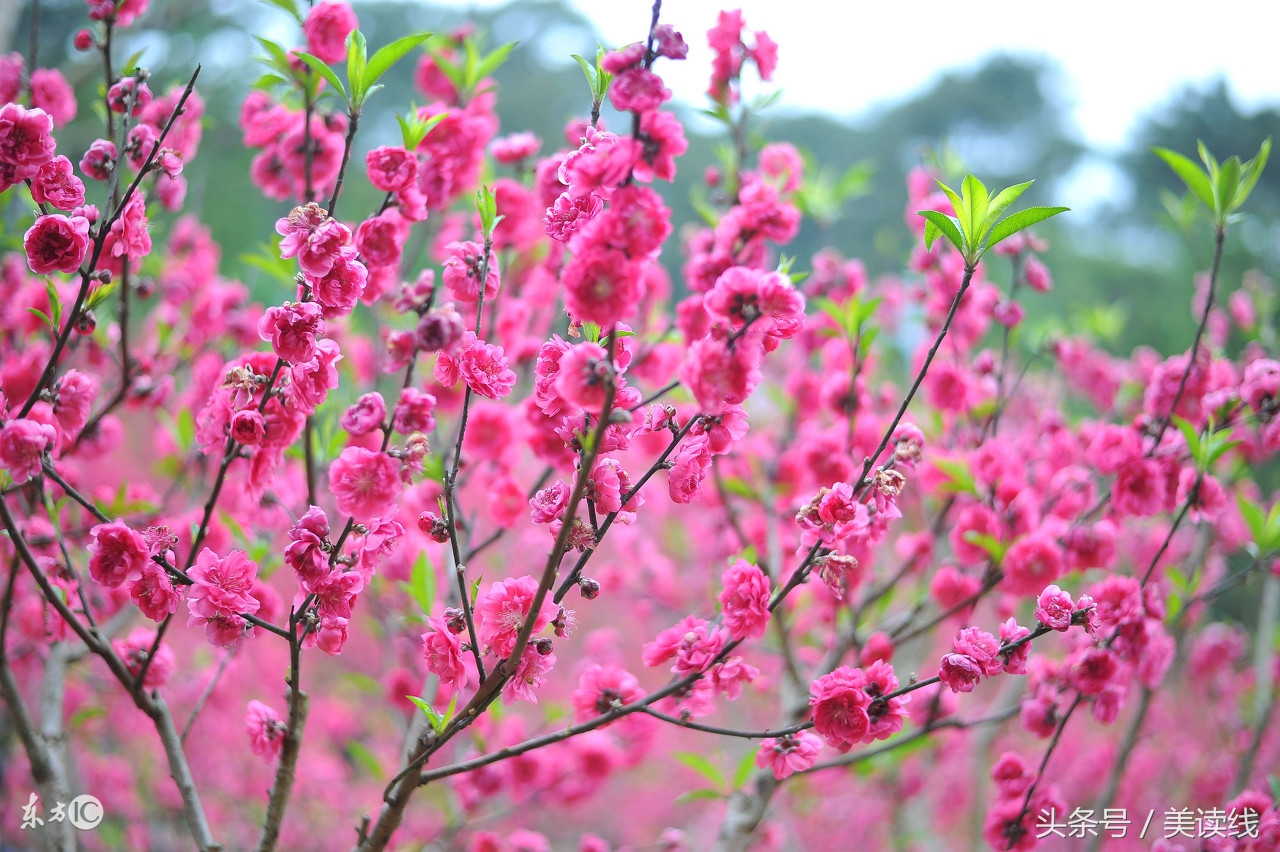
664	141
22	442
1092	670
248	427
11	69
291	329
305	553
601	688
154	594
638	90
414	412
120	12
688	471
134	653
959	672
380	240
128	89
367	415
502	609
327	26
1260	386
510	150
364	483
1031	563
1015	661
1140	489
462	268
530	674
26	141
548	503
265	729
57	243
117	554
391	169
132	237
439	329
1054	608
719	375
99	160
74	394
787	755
582	376
1113	447
220	593
55	183
745	599
481	365
840	703
602	285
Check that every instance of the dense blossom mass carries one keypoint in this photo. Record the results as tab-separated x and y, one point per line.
507	489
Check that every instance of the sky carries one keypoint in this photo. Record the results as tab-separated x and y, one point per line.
1119	58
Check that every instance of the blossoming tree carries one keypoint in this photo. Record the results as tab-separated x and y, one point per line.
388	561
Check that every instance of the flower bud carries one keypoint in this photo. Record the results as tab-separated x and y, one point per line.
83	39
86	323
589	588
455	620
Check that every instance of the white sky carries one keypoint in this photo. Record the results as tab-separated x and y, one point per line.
1119	58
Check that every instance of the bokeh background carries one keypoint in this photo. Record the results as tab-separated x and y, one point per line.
1073	98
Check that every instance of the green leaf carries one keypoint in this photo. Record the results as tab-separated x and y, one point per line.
55	303
288	6
448	713
432	716
587	69
100	294
276	56
948	226
366	759
130	66
357	60
492	61
743	770
993	546
421	586
702	795
960	478
1020	221
45	318
450	70
186	427
739	487
1225	185
1192	438
475	590
84	714
1001	203
363	682
1192	175
389	56
703	767
1274	783
316	65
957	205
1253	519
1252	171
975	198
487	207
